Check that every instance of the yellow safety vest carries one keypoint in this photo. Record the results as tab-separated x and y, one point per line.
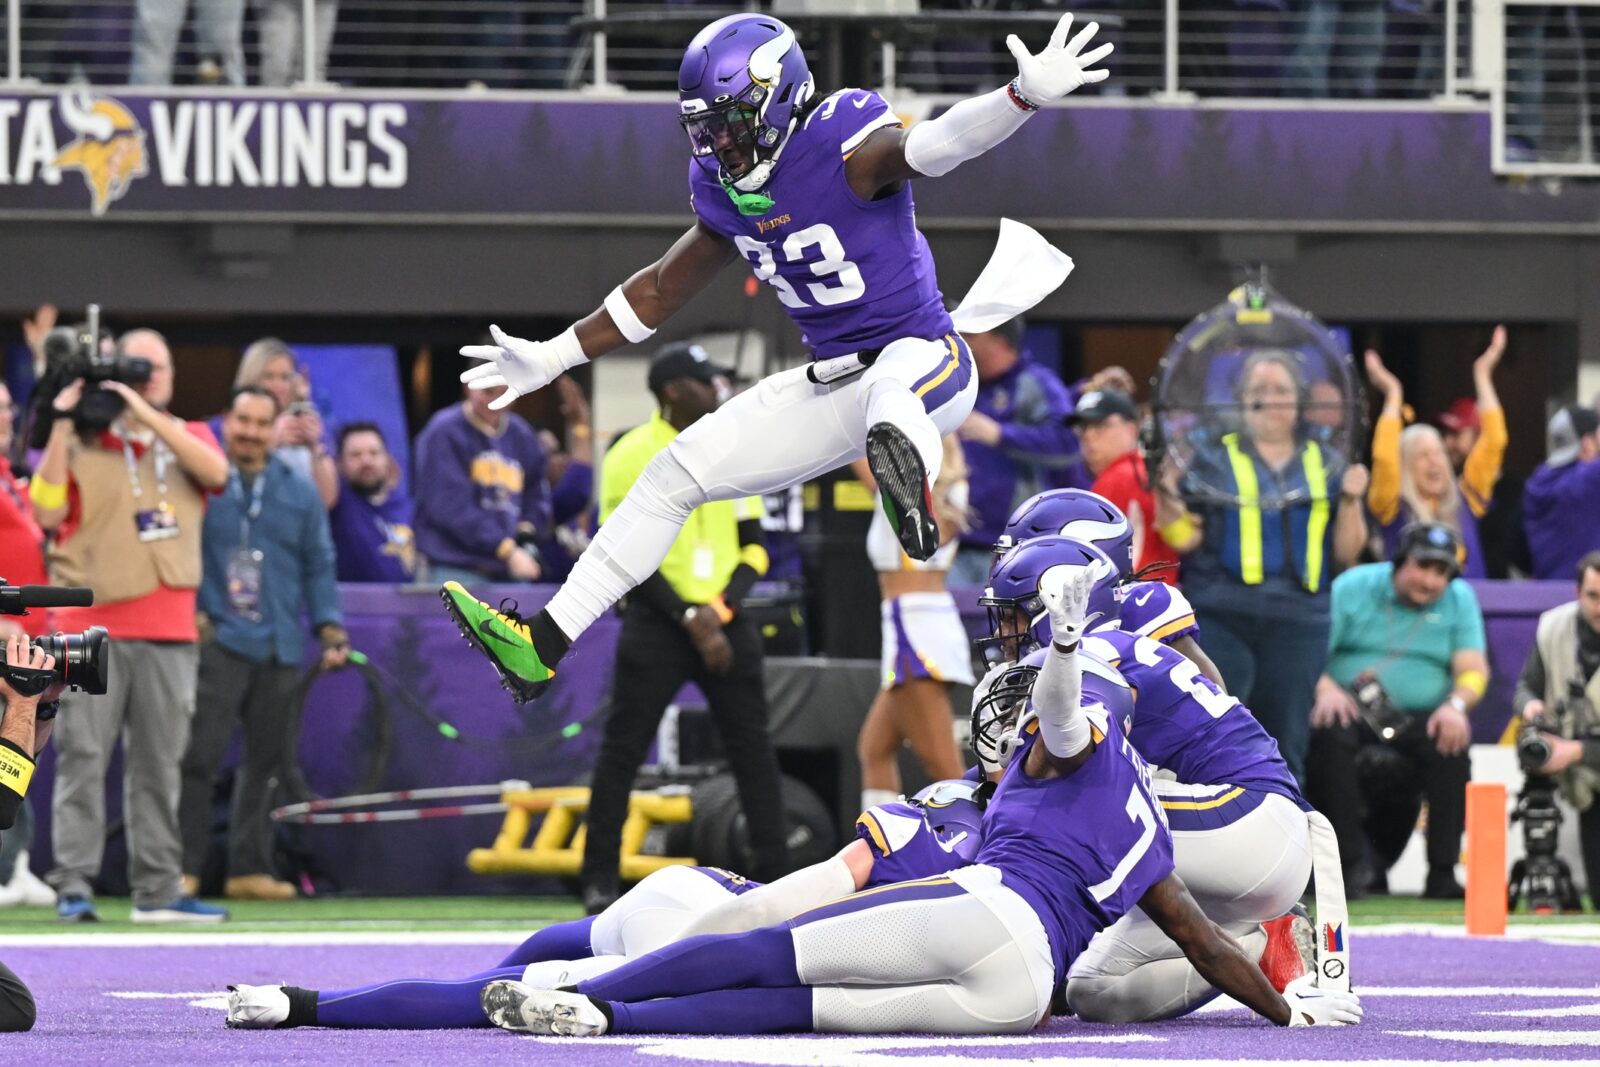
1249	491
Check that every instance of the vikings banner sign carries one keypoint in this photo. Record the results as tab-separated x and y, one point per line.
104	152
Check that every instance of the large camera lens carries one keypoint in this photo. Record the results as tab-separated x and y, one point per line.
80	658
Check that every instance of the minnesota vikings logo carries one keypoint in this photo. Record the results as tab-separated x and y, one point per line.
109	149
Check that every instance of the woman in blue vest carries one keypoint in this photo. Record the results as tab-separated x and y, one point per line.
1258	568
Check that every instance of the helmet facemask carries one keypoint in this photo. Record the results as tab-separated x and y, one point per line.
996	718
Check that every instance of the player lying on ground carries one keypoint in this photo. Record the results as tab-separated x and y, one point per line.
1072	840
930	834
814	193
1243	835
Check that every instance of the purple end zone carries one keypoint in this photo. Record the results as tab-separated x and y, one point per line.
80	1021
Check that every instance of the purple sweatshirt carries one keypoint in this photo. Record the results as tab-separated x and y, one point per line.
1559	509
1036	447
474	491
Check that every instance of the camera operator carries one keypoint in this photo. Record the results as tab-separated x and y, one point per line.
126	504
25	729
1559	692
1408	638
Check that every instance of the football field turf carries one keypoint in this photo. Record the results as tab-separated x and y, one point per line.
115	993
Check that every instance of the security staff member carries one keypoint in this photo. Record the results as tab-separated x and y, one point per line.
1258	571
682	623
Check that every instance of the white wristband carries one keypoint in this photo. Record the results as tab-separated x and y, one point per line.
568	349
626	318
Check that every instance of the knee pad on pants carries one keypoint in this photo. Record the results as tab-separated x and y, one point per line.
668	482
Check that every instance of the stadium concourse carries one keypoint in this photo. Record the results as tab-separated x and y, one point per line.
123	996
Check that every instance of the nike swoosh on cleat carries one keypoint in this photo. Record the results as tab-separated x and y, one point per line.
483	628
1140	600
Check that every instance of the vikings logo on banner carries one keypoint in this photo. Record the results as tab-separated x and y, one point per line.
109	149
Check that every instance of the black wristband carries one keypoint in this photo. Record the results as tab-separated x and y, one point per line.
46	712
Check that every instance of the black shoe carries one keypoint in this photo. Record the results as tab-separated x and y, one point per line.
903	486
1442	885
597	898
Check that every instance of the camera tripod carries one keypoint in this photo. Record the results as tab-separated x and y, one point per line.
1542	875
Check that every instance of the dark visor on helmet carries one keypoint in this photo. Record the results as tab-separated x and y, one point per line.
731	126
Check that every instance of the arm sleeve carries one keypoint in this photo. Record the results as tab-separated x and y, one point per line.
572	493
445	494
536	506
1530	683
1062	725
1383	493
970	128
317	563
1483	464
1039	431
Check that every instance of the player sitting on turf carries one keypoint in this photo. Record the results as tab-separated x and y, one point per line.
1072	840
1243	835
936	830
814	193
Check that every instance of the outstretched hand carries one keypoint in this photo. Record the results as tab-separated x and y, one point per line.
520	366
1065	592
1311	1006
1060	68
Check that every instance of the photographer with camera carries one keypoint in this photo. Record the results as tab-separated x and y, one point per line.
25	686
123	485
1558	695
1406	665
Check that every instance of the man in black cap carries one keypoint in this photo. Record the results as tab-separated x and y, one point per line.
1406	666
680	624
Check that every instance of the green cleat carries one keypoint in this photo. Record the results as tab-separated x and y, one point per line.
503	637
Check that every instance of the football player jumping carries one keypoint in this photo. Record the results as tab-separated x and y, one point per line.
814	194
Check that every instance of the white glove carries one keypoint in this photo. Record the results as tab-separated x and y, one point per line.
1065	591
521	366
1310	1006
1059	69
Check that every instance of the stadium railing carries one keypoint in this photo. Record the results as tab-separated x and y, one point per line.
1537	63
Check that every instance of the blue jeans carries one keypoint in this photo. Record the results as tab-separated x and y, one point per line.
1272	664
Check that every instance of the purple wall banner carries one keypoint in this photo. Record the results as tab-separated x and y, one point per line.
89	153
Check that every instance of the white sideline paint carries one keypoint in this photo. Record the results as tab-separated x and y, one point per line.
1556	933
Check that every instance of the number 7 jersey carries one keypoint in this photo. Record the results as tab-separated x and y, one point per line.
852	274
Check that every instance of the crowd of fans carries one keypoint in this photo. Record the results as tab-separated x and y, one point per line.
1315	49
212	545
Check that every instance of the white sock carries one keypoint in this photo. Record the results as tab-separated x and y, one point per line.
888	400
629	546
871	798
553	974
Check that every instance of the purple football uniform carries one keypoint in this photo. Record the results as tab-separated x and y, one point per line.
904	847
1158	611
853	274
1081	850
1183	723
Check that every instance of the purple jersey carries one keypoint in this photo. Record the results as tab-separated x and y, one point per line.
373	541
1158	611
1183	723
853	274
904	847
1081	850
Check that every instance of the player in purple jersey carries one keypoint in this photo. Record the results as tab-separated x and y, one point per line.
1071	841
814	194
1244	836
935	831
1151	609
